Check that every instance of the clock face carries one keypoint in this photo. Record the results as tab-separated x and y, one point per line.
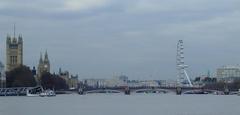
45	66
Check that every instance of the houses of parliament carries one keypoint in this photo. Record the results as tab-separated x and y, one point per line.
14	59
14	55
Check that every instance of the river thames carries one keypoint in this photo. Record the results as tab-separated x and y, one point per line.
119	104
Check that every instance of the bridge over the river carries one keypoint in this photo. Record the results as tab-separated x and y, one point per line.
183	90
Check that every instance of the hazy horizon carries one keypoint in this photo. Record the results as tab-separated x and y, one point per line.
137	38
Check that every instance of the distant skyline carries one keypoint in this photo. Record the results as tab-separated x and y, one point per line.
137	38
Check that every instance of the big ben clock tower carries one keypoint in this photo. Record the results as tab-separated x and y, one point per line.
44	65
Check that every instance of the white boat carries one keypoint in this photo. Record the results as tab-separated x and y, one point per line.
29	94
47	93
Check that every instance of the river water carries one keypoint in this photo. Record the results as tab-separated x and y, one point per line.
119	104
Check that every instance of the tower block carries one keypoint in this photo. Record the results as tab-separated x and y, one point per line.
14	52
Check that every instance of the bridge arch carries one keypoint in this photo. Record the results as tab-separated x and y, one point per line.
200	91
103	91
149	90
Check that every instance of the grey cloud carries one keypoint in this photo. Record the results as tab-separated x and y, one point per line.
126	36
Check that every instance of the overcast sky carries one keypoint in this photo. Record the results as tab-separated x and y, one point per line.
103	38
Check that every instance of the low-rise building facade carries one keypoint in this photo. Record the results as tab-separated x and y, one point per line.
228	73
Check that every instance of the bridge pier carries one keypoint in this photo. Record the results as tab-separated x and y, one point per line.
226	91
127	91
81	91
178	90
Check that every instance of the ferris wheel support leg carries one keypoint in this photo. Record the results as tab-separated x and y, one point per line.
189	81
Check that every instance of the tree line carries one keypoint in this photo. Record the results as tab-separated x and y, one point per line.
23	76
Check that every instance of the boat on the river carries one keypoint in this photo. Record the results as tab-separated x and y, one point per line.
30	94
47	93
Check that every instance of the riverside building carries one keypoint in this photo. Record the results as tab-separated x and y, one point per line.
228	73
71	80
